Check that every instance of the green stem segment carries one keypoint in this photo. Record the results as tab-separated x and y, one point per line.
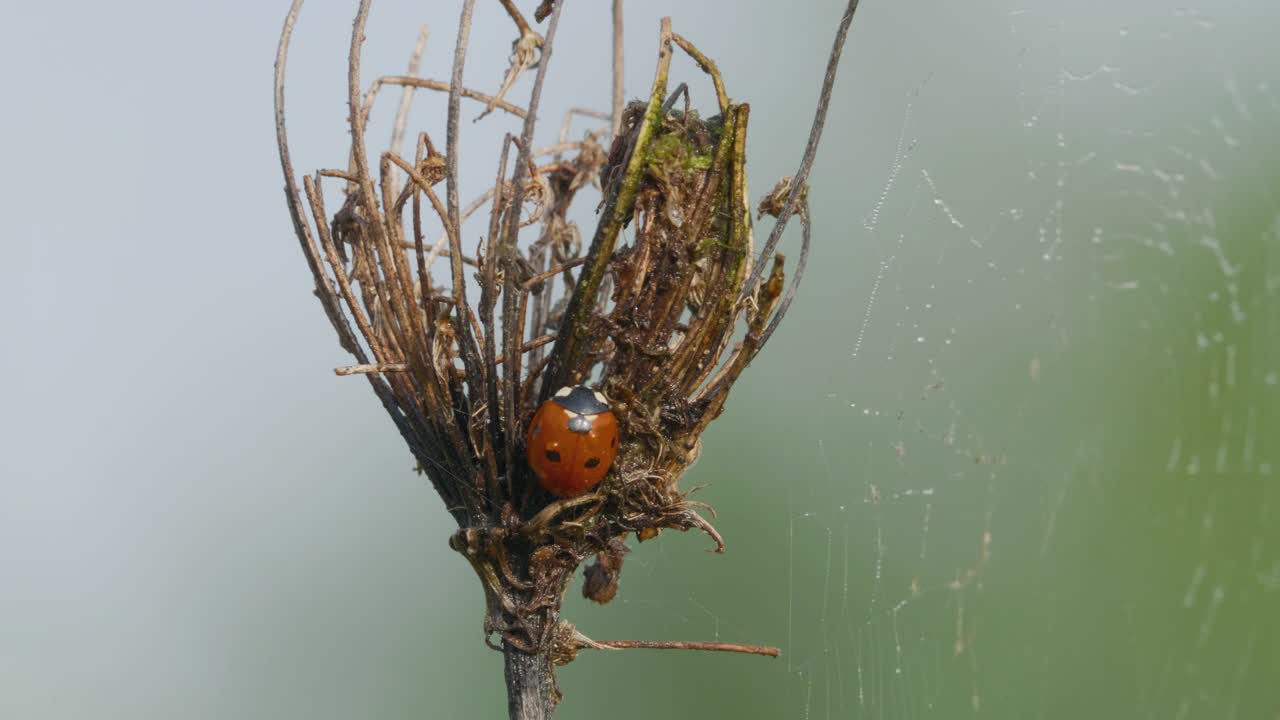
575	325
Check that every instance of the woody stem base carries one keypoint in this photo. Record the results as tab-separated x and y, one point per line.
531	693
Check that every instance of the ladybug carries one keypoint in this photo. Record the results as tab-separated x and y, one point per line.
572	441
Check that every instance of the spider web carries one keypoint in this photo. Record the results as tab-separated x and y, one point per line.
1032	472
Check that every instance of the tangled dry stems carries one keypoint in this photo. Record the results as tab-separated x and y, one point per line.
664	325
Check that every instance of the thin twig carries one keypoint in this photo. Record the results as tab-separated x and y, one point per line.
810	151
619	98
346	336
371	368
452	219
708	66
523	52
568	119
494	250
785	304
511	338
531	345
437	85
679	645
422	150
522	25
557	148
547	275
397	323
340	174
340	274
406	94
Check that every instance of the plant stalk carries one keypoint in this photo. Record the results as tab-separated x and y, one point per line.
531	693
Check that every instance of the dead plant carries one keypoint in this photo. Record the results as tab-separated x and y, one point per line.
663	325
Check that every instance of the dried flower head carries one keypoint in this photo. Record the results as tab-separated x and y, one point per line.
664	324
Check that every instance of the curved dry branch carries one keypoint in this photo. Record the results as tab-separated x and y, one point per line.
810	149
346	337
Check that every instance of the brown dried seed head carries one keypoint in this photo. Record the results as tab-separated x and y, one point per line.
601	578
773	201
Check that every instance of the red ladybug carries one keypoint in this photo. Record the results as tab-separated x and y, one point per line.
572	441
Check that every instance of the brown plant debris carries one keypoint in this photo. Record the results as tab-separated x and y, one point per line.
663	321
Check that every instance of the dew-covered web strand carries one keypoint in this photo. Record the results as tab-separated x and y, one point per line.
901	150
939	202
1173	228
882	612
871	303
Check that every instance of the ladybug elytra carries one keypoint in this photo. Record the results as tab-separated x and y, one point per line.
572	441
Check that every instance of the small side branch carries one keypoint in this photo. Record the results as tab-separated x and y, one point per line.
426	84
370	369
764	650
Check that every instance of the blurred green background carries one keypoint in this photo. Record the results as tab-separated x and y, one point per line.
1014	453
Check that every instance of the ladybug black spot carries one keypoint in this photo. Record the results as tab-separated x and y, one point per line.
592	462
553	456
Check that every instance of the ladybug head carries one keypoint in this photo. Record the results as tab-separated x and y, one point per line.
581	400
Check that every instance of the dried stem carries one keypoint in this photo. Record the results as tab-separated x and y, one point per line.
368	369
530	679
584	112
531	686
447	87
619	93
406	93
453	220
522	25
301	227
495	249
511	334
680	645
